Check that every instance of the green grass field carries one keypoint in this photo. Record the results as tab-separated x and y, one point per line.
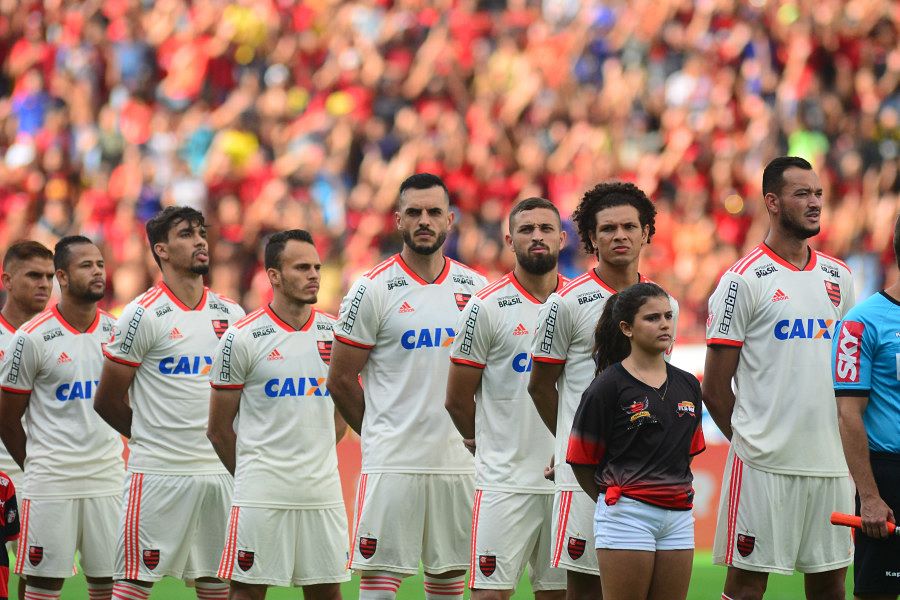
706	582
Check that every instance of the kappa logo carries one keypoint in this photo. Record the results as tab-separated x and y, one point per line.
487	563
275	355
175	334
846	368
406	308
520	330
151	558
35	555
575	547
63	358
745	544
461	299
779	296
324	348
245	559
834	292
367	546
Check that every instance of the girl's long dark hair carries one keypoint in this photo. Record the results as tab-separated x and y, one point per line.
610	344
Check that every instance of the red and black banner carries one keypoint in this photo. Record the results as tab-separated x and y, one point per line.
220	326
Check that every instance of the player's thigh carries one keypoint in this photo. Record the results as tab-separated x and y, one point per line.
320	558
48	537
825	547
573	532
99	519
671	574
259	546
505	528
876	563
448	522
750	535
157	525
628	525
389	522
626	574
544	577
209	525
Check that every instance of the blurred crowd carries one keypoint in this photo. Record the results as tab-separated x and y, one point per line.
273	114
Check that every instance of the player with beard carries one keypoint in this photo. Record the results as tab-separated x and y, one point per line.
771	321
154	390
28	280
72	460
395	328
288	525
487	398
615	220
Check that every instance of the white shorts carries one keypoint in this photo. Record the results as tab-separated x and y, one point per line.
776	523
53	530
508	531
172	525
573	528
284	547
402	518
630	524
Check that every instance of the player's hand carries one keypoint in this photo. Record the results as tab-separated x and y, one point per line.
875	515
469	443
550	470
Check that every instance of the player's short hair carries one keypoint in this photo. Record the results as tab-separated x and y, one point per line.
606	195
610	344
423	181
159	226
531	204
277	242
23	250
897	241
773	174
62	253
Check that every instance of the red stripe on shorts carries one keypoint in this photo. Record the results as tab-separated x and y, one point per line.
360	496
23	538
734	498
565	503
476	507
226	563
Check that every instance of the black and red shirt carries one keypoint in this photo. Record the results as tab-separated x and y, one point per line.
9	528
640	439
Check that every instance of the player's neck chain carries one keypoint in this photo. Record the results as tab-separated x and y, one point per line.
640	377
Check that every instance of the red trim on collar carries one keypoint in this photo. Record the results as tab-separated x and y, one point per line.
281	323
600	282
6	325
810	264
179	303
70	327
440	278
521	289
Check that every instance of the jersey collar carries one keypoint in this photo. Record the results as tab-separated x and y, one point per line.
179	303
521	288
606	286
810	264
278	321
6	325
69	327
440	278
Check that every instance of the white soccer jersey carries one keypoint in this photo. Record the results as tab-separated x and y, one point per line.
495	331
565	336
172	347
71	452
285	439
783	318
409	325
7	331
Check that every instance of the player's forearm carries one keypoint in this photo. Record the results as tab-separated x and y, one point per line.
719	401
349	399
116	413
462	413
546	401
224	442
13	437
856	451
585	477
340	427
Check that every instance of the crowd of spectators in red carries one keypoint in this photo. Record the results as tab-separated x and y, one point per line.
273	114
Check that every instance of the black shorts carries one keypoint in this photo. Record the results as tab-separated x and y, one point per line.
876	564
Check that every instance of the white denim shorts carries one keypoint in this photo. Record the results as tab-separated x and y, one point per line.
633	525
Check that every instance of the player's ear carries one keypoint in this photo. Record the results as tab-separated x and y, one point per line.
645	234
563	238
773	203
162	250
274	277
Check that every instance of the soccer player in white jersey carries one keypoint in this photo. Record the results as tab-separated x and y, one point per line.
154	390
396	326
288	524
28	281
72	460
770	326
487	398
615	220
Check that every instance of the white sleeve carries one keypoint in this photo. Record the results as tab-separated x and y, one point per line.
133	336
22	365
474	336
359	319
230	362
554	332
730	311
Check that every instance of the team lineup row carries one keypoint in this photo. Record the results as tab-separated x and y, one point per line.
240	484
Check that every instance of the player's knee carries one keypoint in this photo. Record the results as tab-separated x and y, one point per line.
550	595
46	583
491	594
245	591
325	591
581	586
745	585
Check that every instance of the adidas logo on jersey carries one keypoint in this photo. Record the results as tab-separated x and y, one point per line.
175	334
275	355
406	308
520	330
63	358
779	296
